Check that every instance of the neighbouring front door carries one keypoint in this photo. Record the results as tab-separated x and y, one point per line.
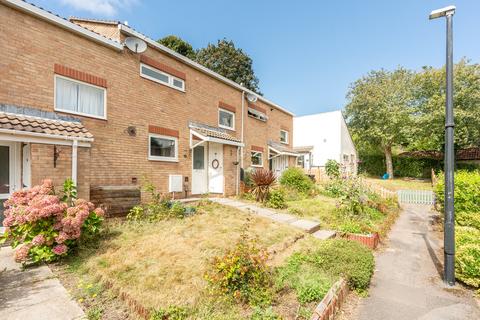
199	170
6	175
279	164
215	168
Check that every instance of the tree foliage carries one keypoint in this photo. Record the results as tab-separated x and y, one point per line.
229	61
178	45
429	120
379	109
405	110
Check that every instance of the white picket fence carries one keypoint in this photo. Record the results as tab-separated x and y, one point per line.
416	196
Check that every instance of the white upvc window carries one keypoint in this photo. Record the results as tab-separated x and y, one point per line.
162	148
161	77
284	136
77	97
226	119
257	158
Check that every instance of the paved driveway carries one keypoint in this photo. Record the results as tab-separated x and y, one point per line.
407	284
32	294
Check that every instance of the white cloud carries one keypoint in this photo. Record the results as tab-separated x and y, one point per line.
101	7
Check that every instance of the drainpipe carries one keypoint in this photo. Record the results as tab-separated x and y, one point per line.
74	161
242	135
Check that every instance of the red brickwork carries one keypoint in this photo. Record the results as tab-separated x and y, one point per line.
79	75
226	106
370	240
163	131
332	302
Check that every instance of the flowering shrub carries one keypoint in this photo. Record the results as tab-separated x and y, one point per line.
242	273
46	226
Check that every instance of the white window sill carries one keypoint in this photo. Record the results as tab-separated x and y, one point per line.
80	114
283	142
257	165
225	127
163	159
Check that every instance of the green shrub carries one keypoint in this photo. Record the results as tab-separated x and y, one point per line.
350	226
332	169
467	264
311	272
264	314
171	313
354	199
334	188
277	199
296	179
346	258
242	273
467	189
374	165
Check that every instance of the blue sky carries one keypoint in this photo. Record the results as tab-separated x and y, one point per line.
305	53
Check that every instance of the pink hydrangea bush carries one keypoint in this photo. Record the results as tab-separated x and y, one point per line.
46	226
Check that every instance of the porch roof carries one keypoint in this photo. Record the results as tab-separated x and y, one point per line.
18	121
214	134
282	149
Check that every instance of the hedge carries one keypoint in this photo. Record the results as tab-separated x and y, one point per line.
374	165
467	220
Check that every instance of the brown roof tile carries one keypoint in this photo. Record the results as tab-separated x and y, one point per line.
215	133
45	126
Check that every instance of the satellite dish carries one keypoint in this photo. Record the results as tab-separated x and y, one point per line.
135	45
251	97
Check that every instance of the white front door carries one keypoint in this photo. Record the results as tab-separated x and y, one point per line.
199	170
215	168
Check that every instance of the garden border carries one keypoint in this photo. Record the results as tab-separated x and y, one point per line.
332	301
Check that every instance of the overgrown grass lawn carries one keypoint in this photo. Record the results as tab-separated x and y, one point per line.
163	263
402	184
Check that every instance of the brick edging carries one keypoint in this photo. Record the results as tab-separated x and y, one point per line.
370	240
332	301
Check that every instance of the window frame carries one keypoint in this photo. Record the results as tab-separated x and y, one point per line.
233	119
160	158
261	159
56	108
286	136
170	77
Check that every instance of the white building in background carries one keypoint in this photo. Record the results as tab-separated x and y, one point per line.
326	136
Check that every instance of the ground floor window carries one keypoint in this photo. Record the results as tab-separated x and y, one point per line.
257	159
162	148
301	161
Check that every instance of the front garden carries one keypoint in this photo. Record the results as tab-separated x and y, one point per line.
170	260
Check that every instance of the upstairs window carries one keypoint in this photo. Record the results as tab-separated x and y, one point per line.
284	136
257	115
161	77
80	98
162	148
226	119
256	159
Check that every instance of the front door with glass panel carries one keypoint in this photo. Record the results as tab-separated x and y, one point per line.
6	174
215	168
199	170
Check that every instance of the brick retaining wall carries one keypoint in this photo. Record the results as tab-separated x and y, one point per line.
332	301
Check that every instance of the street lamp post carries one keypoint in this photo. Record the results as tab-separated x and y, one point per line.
449	221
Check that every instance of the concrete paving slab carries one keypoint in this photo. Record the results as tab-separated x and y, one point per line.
324	234
306	225
283	217
33	293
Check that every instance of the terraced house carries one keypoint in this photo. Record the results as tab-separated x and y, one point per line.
76	102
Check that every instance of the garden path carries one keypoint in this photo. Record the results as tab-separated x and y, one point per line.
407	282
33	293
306	225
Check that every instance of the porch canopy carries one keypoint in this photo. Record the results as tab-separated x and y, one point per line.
206	133
28	125
277	149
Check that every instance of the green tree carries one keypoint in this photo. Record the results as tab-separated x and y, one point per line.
430	111
231	62
178	45
379	110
